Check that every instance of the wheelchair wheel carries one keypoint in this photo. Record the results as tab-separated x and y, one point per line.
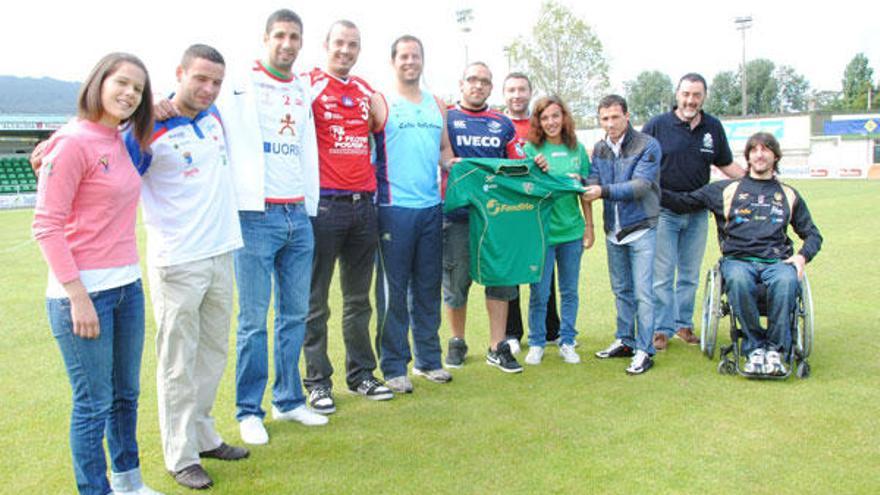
804	320
803	369
726	367
711	312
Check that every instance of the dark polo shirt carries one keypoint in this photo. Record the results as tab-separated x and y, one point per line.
688	153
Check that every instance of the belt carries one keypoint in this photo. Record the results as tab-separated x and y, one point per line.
349	198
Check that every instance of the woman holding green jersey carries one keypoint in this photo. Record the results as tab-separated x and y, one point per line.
552	134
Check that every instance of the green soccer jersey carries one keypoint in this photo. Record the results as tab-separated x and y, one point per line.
510	204
566	220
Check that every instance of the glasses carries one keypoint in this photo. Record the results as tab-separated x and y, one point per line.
481	81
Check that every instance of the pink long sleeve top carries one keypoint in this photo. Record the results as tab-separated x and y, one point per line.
87	199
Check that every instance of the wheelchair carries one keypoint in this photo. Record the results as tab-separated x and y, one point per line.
716	307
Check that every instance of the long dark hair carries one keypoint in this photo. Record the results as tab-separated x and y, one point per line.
91	108
536	133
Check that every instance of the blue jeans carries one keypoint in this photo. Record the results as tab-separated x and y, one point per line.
681	242
408	273
567	258
741	278
104	374
631	269
278	245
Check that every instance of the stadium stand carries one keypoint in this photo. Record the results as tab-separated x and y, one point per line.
16	176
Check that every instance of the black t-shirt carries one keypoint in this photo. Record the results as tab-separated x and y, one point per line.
688	153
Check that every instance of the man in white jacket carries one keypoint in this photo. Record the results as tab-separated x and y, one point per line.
270	133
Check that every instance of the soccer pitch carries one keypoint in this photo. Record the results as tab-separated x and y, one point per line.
556	428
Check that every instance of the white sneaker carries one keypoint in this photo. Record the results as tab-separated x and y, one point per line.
438	375
535	355
514	346
252	431
773	364
301	414
143	490
569	355
400	384
755	365
640	363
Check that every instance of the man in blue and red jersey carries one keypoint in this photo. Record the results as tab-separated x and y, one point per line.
345	227
475	131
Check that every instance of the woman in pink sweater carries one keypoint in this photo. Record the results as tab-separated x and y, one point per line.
85	225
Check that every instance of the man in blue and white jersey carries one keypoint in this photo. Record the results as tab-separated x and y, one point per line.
192	228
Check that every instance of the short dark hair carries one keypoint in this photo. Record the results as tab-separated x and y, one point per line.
283	15
404	39
341	22
518	75
538	137
481	64
693	77
611	100
89	103
766	140
206	52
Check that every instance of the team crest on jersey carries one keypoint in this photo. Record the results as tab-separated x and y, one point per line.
494	127
338	132
708	143
528	187
459	124
287	124
187	157
347	101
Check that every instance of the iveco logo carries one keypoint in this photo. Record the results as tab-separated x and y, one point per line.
478	141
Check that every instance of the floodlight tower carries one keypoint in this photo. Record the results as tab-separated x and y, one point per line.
464	17
743	23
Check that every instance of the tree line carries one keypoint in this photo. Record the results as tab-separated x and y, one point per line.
564	56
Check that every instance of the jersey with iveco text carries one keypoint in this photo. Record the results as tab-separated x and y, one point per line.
342	123
283	106
187	192
481	134
510	203
408	153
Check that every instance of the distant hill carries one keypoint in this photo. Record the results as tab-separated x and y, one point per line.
44	96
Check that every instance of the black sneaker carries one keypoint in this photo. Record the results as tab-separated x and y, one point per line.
372	389
617	349
503	359
456	353
321	400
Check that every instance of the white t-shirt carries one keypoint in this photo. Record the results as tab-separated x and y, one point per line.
187	194
283	109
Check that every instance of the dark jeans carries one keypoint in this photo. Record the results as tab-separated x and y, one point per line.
408	288
514	317
345	229
741	278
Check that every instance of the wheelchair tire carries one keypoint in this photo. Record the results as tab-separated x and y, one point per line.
711	312
726	367
805	320
803	369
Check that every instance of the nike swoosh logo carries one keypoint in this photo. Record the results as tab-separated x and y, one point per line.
236	92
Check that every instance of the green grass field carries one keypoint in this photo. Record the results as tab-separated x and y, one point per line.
556	428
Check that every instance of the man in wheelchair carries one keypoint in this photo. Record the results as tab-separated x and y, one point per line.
753	214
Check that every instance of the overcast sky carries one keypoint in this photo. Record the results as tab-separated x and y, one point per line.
63	39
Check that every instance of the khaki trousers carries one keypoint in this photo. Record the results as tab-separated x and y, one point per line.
192	303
